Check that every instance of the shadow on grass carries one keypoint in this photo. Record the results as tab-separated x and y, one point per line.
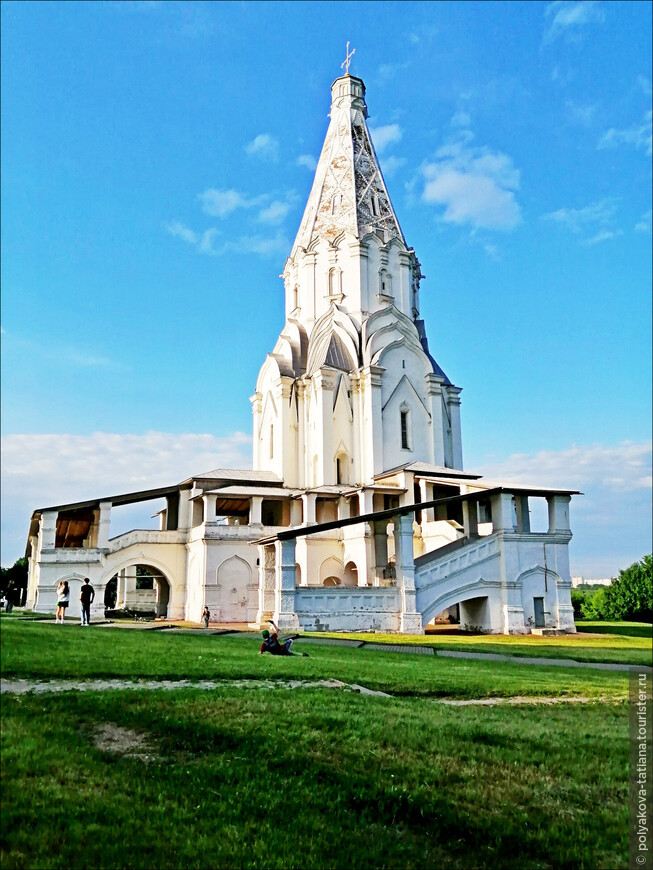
625	629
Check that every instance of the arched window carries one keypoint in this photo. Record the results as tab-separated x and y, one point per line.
385	283
336	202
376	211
404	421
335	282
342	468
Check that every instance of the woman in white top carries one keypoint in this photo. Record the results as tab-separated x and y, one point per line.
63	600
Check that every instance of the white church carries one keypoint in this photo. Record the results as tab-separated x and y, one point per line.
357	514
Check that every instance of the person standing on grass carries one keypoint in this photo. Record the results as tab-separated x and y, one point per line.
206	616
63	600
86	596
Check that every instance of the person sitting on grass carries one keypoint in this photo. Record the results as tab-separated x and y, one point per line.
272	645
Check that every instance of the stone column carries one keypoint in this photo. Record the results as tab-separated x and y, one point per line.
501	504
453	404
257	410
426	494
372	423
209	508
380	531
104	525
343	508
266	584
308	501
48	530
434	404
296	512
255	504
185	509
523	514
120	589
470	518
411	620
325	382
558	513
284	599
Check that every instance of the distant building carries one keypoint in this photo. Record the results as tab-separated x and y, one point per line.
358	514
582	581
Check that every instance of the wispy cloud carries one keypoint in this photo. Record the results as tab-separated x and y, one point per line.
205	242
579	113
220	203
461	119
308	161
638	135
475	185
611	521
391	164
596	218
42	470
275	212
643	225
61	354
387	71
567	18
264	146
645	84
385	136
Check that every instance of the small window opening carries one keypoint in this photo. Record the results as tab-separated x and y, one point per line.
375	205
404	430
271	442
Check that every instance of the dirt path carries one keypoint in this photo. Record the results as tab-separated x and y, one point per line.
38	687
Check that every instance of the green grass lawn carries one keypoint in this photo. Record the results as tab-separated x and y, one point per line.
314	778
49	651
617	642
311	778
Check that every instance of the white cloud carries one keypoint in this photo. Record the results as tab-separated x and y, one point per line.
476	185
568	18
580	114
387	71
602	236
60	354
275	212
645	84
644	223
593	218
203	242
391	164
461	119
639	136
43	470
220	203
308	161
382	137
611	521
264	145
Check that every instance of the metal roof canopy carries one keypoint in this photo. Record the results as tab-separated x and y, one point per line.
411	508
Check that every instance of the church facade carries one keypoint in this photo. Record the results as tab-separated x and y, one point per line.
357	514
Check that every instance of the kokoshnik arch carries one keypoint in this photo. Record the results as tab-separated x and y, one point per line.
357	514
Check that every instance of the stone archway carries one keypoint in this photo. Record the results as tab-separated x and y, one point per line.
139	588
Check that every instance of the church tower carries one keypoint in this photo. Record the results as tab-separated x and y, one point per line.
350	390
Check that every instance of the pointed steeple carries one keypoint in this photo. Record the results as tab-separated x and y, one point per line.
348	193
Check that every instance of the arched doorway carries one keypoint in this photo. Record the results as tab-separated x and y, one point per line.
140	589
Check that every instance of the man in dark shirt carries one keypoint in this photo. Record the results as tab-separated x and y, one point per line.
271	643
86	596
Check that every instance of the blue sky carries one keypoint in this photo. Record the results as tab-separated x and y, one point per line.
156	159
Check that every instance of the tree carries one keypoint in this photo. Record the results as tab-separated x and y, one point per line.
13	582
631	596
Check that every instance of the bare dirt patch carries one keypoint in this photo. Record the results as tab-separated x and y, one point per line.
122	741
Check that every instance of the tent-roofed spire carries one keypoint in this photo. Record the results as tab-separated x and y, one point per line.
348	193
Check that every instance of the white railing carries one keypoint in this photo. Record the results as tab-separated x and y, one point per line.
146	536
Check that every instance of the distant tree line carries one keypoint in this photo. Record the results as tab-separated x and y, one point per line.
13	582
629	597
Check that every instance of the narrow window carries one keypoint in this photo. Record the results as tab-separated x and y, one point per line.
338	470
375	205
296	296
271	442
404	430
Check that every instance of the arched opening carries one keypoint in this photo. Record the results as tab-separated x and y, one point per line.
350	577
331	581
139	590
342	468
331	571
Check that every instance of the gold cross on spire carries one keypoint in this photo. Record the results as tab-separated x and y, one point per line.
347	60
